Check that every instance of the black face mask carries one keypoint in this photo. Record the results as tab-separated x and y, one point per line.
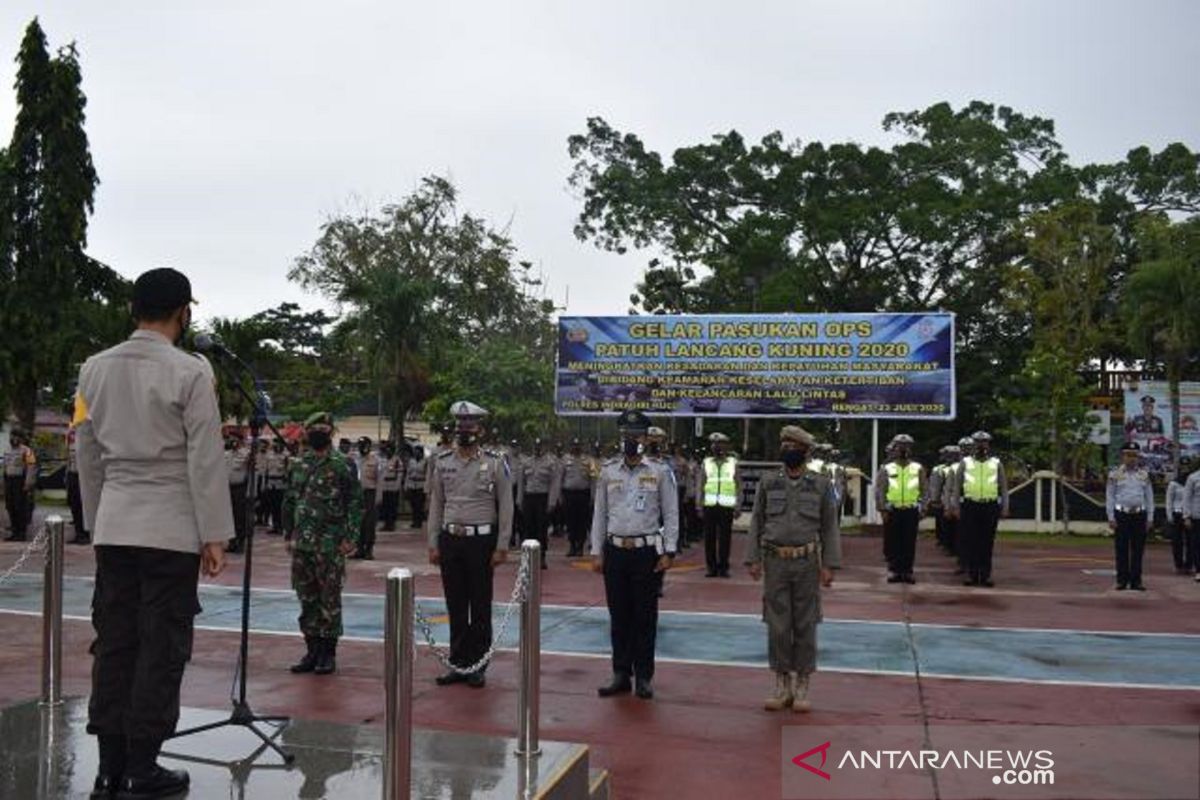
653	448
631	447
230	444
466	438
364	448
319	440
793	458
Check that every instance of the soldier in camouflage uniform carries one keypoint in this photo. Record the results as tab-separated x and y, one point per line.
322	514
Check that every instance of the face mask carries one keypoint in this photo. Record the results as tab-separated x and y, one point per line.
364	448
654	447
14	442
793	458
466	438
229	445
632	447
319	440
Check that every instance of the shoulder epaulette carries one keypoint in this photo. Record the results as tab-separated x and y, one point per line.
445	453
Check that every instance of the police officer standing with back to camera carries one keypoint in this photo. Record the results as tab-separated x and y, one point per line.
1129	501
979	500
899	495
322	517
719	485
635	533
156	498
470	516
795	542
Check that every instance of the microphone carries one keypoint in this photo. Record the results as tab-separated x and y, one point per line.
210	343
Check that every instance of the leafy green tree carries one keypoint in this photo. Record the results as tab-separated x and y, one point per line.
1160	302
418	281
47	183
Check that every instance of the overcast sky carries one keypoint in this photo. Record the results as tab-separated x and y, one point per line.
225	133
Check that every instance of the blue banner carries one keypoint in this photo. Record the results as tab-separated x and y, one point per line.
758	365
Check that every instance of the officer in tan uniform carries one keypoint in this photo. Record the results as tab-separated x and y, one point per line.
20	481
539	482
470	512
391	481
795	543
156	499
577	470
368	476
237	460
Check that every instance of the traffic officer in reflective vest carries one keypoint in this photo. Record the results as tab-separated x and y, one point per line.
795	542
470	511
719	483
899	495
1129	501
933	502
635	532
979	499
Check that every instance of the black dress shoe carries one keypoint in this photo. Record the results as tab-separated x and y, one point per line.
644	689
159	782
987	582
449	678
712	573
1138	587
908	578
1121	587
105	787
15	537
476	680
894	578
970	582
620	685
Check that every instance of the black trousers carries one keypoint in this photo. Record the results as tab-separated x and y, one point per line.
416	504
262	504
941	528
275	505
1130	543
237	497
900	530
631	589
16	501
466	565
370	517
718	533
576	506
143	609
1179	541
1191	553
537	517
389	509
75	501
977	537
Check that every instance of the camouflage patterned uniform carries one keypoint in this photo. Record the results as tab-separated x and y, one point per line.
322	509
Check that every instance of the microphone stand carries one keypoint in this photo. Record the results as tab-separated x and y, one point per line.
242	714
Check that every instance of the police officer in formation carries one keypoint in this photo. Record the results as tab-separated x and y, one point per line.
391	482
414	484
978	499
681	470
367	462
1181	551
20	482
237	464
538	485
276	470
577	473
719	484
1129	503
635	532
935	503
1190	518
795	543
470	515
74	498
900	492
156	498
322	515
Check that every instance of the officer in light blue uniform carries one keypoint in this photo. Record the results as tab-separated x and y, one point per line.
1129	500
635	532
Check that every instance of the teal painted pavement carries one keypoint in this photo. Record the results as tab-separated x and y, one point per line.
1016	654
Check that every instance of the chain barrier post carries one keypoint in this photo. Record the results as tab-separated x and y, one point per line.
529	693
52	613
398	679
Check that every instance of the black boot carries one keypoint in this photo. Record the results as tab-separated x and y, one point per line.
644	689
620	685
326	657
309	661
112	766
144	778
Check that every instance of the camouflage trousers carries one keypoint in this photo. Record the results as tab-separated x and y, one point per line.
791	609
317	577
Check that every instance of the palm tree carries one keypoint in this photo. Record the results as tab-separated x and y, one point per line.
1162	303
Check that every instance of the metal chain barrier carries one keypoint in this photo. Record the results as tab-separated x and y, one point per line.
519	591
36	546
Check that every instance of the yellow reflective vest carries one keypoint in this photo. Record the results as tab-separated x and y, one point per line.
981	479
904	485
720	487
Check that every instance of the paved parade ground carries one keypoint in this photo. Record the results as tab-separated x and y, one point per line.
1052	644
